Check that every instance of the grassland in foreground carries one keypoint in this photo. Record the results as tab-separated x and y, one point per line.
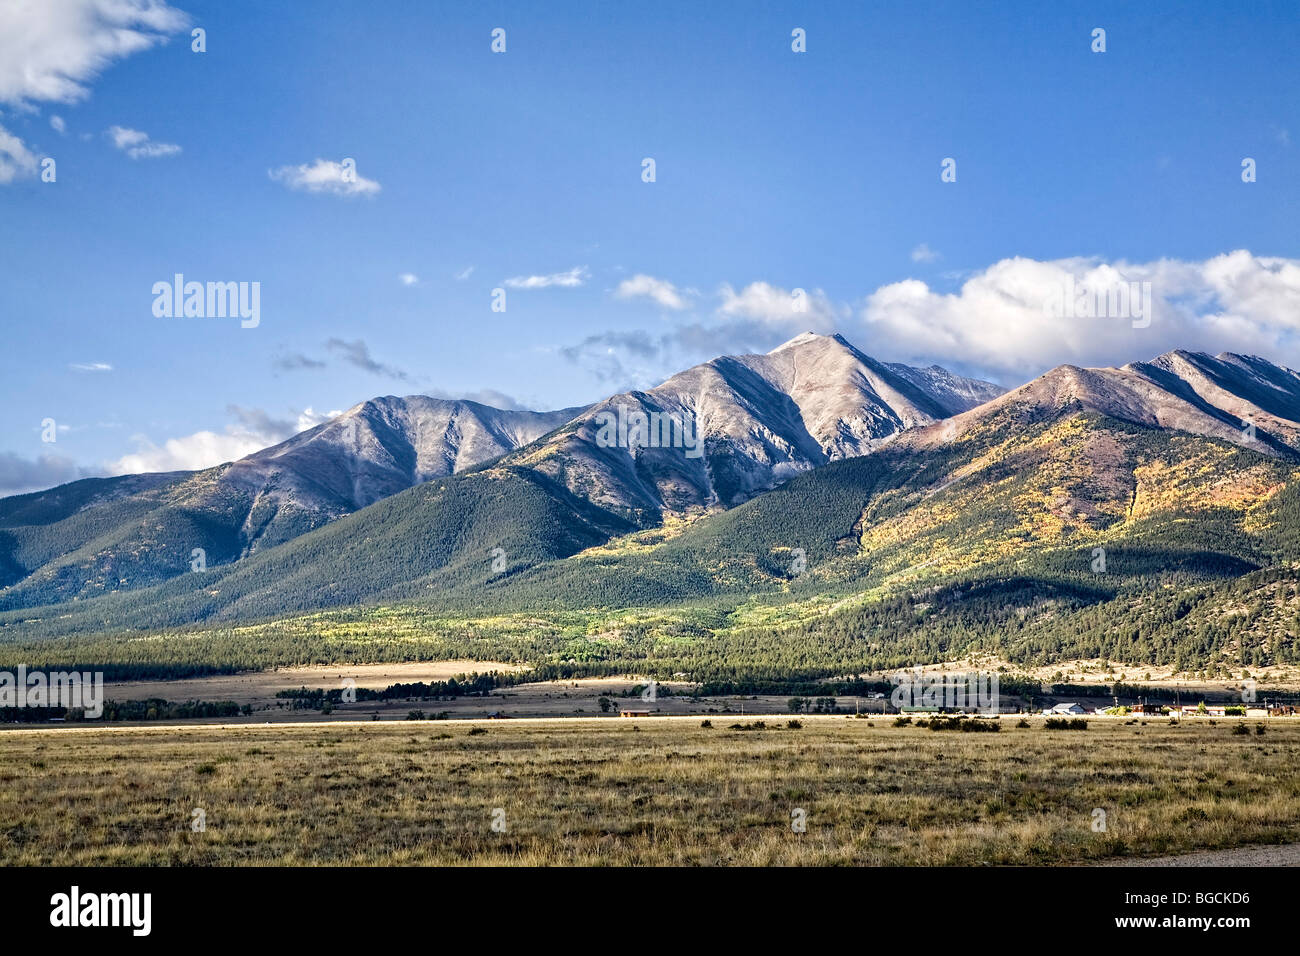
643	791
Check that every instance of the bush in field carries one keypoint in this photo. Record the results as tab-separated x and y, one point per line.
1241	730
1062	723
963	724
1022	722
902	721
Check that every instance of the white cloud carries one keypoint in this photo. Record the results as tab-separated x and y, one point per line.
252	431
1000	320
91	367
923	253
408	278
15	158
326	176
124	138
309	418
57	124
50	50
465	273
138	145
648	287
189	453
568	280
777	307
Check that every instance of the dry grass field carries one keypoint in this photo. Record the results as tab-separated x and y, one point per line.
641	791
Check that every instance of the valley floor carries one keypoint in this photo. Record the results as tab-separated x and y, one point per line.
643	791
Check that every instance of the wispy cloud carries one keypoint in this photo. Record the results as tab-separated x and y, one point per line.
294	361
357	353
91	366
20	475
662	291
138	145
622	359
484	396
923	253
58	125
568	280
16	160
464	274
408	278
326	176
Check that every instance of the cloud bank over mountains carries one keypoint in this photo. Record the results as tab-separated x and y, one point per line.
999	319
1011	321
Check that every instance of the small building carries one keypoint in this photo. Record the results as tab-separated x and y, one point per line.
1070	708
634	713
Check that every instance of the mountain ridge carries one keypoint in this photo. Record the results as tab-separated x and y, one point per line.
1062	458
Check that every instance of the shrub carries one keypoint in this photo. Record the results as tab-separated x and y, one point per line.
1240	730
962	724
1259	730
475	731
793	724
706	723
902	721
1022	722
1062	723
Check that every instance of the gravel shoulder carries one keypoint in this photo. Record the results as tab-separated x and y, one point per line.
1287	854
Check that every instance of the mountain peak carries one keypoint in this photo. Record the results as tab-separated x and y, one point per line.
807	338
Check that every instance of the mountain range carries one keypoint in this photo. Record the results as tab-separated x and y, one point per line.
760	417
822	474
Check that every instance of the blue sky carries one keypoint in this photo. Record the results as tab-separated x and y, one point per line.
775	170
